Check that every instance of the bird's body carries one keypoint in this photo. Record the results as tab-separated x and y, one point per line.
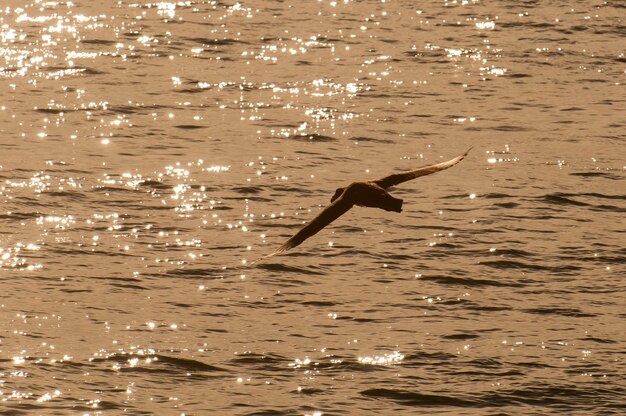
371	194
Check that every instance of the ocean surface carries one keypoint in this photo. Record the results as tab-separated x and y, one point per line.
151	152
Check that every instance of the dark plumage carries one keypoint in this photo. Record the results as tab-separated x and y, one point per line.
365	194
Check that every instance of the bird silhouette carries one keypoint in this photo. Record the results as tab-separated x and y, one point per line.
364	194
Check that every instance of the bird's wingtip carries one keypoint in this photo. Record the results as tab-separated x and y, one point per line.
276	252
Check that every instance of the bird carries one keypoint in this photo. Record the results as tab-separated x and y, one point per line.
371	194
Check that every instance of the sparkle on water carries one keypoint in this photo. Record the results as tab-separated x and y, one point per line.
152	149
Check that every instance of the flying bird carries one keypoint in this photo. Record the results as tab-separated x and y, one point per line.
364	194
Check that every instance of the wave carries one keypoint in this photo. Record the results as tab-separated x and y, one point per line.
567	199
597	174
313	137
370	139
198	272
275	412
263	362
72	195
187	364
570	312
408	398
217	42
600	340
157	363
18	216
99	42
279	267
189	127
510	264
463	336
54	110
463	281
562	397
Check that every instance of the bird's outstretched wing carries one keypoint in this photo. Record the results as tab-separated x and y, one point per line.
330	214
398	178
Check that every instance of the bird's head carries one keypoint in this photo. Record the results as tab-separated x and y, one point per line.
338	193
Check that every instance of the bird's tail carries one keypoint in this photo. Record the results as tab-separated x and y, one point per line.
398	206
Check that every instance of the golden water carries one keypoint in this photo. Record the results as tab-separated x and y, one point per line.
149	151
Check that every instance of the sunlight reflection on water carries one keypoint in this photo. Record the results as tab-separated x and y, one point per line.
152	151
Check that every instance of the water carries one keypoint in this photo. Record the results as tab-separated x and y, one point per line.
149	150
